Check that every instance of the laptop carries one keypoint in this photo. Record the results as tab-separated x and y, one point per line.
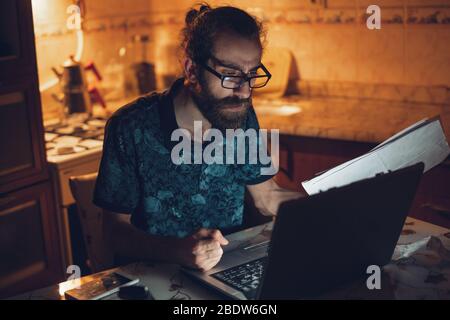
317	243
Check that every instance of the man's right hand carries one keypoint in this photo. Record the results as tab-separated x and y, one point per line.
201	250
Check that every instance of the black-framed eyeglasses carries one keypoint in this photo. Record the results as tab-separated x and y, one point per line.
234	82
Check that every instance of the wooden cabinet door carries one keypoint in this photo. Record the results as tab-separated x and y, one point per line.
29	249
17	48
22	160
301	158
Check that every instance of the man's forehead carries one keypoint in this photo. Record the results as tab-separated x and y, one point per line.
238	52
238	63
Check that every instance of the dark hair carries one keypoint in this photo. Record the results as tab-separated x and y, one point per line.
205	23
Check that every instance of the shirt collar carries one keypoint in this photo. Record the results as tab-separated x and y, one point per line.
167	112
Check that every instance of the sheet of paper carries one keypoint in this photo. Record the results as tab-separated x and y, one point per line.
403	132
394	137
422	142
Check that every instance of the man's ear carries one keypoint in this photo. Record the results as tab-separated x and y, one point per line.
190	70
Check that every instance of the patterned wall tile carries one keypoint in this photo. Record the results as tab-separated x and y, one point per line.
428	3
418	15
381	55
335	52
407	60
428	54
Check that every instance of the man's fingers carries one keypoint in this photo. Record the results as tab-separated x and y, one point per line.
210	233
214	254
202	233
209	264
205	245
204	257
217	235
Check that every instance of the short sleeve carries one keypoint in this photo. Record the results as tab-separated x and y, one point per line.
117	187
258	172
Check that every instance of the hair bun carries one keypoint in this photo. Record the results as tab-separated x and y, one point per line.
204	7
192	14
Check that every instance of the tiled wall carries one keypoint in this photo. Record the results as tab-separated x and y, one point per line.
335	54
108	26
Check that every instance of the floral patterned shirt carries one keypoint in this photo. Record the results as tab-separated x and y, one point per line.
137	175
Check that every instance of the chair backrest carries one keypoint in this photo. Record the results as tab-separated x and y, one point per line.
91	219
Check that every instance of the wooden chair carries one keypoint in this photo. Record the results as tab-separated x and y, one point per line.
100	257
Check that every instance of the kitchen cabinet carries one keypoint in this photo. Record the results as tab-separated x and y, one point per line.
30	248
21	131
303	157
17	52
22	145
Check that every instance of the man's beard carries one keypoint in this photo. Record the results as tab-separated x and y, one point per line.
214	110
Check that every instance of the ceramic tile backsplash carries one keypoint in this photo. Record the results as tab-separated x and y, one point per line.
380	55
332	44
304	43
107	26
382	3
333	4
428	3
427	55
335	54
439	95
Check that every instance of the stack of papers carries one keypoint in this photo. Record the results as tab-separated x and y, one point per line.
424	141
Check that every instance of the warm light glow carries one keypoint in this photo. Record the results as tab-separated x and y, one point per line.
122	51
68	285
283	110
288	110
42	9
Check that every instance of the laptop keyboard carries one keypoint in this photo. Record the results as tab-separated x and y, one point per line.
245	277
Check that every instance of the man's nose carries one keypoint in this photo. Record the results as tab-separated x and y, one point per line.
244	91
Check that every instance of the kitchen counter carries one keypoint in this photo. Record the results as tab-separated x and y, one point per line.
370	121
339	118
344	119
